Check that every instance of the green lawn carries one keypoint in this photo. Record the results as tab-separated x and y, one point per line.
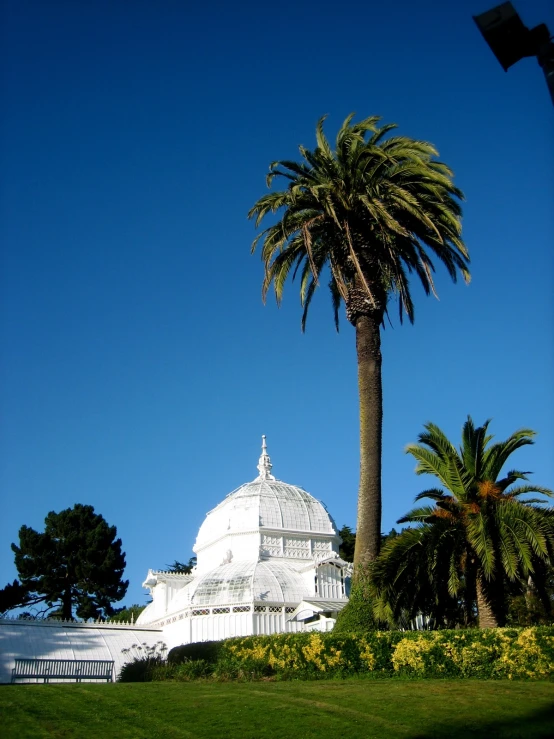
341	709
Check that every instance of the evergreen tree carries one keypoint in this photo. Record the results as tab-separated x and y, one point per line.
182	568
14	595
75	566
126	614
346	549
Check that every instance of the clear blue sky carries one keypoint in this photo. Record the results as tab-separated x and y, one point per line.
139	367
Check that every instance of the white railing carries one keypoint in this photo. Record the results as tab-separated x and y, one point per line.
77	624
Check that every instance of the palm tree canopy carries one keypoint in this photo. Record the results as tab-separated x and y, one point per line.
373	210
477	531
421	571
503	529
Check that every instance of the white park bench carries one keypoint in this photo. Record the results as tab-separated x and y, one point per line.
63	669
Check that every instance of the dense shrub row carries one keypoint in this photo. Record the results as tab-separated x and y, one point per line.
495	653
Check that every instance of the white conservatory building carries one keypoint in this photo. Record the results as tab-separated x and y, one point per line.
267	562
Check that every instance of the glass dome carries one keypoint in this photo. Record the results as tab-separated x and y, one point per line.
265	503
243	582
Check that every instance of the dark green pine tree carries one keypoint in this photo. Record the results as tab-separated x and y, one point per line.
348	545
75	566
14	595
181	567
126	614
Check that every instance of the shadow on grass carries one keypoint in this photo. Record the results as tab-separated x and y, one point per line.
535	725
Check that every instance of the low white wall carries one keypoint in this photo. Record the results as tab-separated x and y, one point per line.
58	640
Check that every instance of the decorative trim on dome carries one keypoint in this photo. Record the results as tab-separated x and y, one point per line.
264	463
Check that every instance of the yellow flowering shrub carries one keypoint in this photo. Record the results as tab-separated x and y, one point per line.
473	659
256	652
493	653
526	656
366	654
409	654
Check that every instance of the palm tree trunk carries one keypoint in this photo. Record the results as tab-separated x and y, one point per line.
485	613
368	529
529	591
470	594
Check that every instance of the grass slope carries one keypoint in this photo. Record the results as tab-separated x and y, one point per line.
348	709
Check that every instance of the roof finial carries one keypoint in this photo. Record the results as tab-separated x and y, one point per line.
264	465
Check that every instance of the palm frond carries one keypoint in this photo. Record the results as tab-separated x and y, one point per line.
433	494
497	454
481	542
418	514
525	489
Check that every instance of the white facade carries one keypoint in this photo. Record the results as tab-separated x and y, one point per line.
267	562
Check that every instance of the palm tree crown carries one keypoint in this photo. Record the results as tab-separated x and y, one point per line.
371	210
478	532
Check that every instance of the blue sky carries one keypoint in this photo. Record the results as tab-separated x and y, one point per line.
139	367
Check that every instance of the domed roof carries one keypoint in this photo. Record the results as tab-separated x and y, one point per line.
243	582
265	503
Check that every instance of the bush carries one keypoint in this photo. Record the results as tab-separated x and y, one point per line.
143	660
357	615
493	653
206	650
192	670
140	670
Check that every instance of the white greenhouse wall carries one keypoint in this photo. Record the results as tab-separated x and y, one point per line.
52	640
275	623
186	629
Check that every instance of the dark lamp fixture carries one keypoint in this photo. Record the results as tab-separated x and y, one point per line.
510	40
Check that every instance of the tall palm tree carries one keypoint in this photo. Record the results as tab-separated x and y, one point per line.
365	214
477	535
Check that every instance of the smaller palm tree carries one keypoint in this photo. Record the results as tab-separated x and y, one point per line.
478	533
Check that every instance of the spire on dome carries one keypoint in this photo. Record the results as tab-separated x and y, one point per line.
264	464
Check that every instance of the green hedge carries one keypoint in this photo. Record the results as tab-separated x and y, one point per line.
494	653
204	650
